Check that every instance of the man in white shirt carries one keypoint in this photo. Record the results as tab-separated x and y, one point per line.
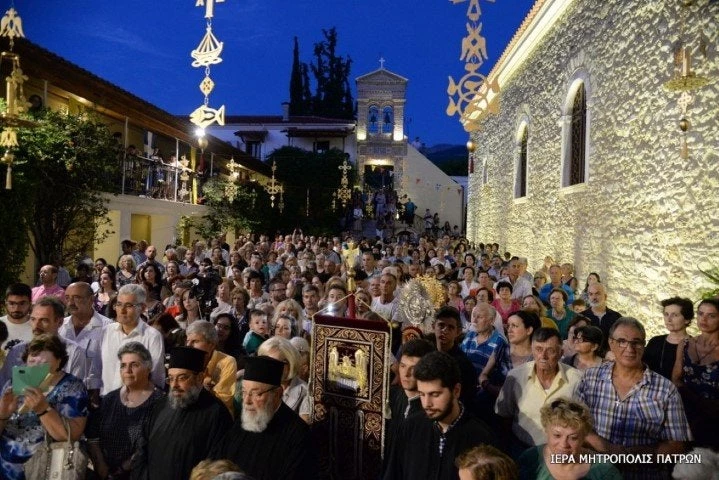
129	328
84	327
521	287
17	320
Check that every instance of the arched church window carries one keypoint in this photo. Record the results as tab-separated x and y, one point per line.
578	139
373	120
387	119
520	186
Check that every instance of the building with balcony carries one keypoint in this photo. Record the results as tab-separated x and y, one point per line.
140	206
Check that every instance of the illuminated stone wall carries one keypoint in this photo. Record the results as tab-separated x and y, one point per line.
646	219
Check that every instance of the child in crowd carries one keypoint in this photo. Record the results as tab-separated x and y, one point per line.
258	332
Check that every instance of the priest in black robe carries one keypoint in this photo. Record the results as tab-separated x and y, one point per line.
183	426
427	446
269	441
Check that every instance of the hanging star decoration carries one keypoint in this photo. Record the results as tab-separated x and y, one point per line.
206	54
467	98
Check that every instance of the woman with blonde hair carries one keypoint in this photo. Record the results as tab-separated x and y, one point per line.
296	392
566	423
126	274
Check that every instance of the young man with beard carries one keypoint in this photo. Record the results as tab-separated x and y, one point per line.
427	445
17	320
269	441
184	425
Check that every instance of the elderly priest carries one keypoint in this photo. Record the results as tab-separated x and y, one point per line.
184	425
269	441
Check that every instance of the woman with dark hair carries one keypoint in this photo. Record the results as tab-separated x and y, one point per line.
257	294
42	411
115	429
520	327
592	278
504	303
660	353
229	340
696	375
587	347
105	293
189	308
151	275
172	333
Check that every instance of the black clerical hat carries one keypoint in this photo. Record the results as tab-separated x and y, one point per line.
187	358
264	369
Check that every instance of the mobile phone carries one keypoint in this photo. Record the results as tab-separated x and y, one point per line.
28	376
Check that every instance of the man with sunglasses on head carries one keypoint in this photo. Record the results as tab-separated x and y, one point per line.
269	440
635	410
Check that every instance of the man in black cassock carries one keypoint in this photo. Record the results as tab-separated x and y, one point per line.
404	398
183	426
269	441
427	446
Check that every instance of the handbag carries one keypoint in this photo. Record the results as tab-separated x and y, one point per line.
57	460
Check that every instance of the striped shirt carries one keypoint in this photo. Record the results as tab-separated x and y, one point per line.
479	353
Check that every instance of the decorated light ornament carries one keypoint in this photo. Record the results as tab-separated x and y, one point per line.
472	97
207	53
15	102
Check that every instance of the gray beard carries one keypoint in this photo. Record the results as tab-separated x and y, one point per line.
188	398
257	421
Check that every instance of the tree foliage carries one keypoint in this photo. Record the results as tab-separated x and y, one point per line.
333	96
304	173
238	215
56	208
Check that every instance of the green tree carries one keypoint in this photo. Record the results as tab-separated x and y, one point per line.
242	214
332	94
297	97
56	208
304	173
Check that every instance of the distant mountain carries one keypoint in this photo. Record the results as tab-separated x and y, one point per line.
451	159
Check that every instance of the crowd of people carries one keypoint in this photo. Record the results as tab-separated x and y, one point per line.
195	361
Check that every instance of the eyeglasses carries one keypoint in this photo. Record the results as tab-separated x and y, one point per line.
579	339
254	394
126	306
624	343
222	326
181	378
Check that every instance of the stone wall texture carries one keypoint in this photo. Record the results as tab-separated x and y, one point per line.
646	220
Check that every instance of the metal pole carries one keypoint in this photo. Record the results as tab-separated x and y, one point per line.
177	160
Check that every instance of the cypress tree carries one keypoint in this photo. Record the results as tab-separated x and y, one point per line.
297	104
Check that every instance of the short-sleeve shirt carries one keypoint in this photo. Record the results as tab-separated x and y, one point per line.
651	412
24	433
479	354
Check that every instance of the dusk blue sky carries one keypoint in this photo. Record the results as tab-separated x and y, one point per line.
144	46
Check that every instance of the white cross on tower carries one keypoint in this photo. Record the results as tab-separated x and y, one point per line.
381	62
209	8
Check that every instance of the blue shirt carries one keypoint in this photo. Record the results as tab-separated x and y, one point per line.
479	354
547	288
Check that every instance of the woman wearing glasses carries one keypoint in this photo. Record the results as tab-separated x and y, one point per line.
114	429
566	424
587	347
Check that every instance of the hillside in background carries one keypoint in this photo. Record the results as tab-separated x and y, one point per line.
451	159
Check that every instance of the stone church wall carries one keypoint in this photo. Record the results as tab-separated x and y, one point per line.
646	219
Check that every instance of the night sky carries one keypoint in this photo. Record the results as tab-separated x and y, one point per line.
144	46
